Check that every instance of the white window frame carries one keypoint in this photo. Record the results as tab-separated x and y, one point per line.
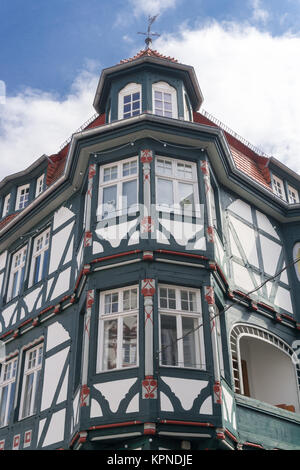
8	379
40	185
120	315
22	203
6	204
176	178
179	314
293	195
30	369
164	87
118	181
18	265
129	89
278	187
41	248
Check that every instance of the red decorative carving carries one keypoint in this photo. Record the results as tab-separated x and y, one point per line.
210	234
92	171
218	393
88	239
84	395
149	388
209	295
148	288
147	224
146	156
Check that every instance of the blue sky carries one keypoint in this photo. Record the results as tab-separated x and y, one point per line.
53	51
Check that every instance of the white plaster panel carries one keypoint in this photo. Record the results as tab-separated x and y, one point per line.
56	430
1	281
227	408
41	427
242	277
57	334
283	299
242	209
49	285
134	405
114	392
76	408
206	407
3	258
31	298
64	388
270	253
69	254
165	402
283	276
8	312
264	223
135	238
186	390
247	239
52	372
79	255
58	245
161	238
233	246
96	410
61	216
114	234
62	283
181	231
97	248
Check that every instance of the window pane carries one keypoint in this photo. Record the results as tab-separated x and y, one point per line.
110	173
158	95
127	99
189	350
135	96
3	402
28	392
129	194
129	341
110	344
168	340
109	201
127	108
186	196
36	269
164	167
130	299
167	97
165	192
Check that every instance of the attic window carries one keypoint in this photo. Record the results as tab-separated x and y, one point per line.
164	100
130	101
293	195
5	209
40	185
22	197
278	188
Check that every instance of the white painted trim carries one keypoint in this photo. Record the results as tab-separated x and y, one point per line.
128	90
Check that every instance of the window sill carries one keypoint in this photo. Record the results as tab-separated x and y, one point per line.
266	408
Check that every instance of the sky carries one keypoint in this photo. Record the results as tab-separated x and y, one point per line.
246	54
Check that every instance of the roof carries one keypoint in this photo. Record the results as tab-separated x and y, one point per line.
148	53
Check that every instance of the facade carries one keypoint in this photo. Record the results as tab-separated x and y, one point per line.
149	280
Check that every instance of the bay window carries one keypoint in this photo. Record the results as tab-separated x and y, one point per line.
7	390
31	378
118	327
181	333
176	185
118	192
17	273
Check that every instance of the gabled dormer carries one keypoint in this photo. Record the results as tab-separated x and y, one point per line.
148	83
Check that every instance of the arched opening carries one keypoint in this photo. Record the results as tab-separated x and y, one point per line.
263	368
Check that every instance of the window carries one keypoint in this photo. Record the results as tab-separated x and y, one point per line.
7	390
278	188
6	205
118	189
187	109
22	197
293	195
176	185
118	328
17	273
181	336
40	256
40	185
164	100
130	99
32	370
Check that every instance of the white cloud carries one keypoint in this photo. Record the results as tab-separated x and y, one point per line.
259	13
151	7
35	122
249	80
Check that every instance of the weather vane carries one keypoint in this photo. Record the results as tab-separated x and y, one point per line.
148	34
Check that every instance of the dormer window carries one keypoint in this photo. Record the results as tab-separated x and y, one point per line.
164	100
40	185
293	195
22	197
130	99
6	204
278	188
